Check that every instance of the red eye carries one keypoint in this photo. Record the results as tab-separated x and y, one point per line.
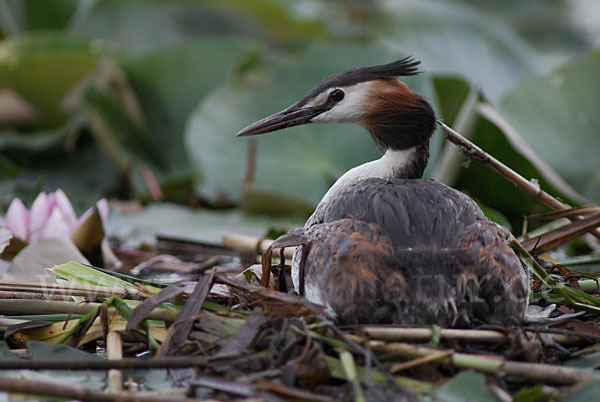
336	95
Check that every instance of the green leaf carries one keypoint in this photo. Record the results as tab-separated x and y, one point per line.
91	379
412	385
537	393
6	354
39	141
44	67
52	351
585	393
557	116
467	385
452	93
112	125
303	161
492	190
453	38
74	271
182	222
592	360
41	14
276	18
219	325
183	19
168	91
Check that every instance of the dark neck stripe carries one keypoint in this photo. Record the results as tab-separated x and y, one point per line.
415	168
406	129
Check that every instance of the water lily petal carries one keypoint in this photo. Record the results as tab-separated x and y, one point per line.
103	209
17	219
40	212
55	226
64	206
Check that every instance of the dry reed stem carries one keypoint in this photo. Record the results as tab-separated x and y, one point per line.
449	334
30	387
70	289
251	243
114	351
475	153
22	307
545	373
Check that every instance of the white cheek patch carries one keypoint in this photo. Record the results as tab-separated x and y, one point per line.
319	99
351	109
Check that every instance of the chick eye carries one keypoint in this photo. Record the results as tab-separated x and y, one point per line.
336	95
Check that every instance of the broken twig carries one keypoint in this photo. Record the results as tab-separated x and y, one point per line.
472	151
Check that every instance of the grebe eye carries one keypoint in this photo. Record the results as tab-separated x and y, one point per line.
337	95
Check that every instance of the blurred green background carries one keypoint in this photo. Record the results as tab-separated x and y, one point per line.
104	97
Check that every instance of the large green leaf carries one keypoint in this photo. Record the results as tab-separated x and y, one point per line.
44	67
182	222
557	116
31	15
492	190
91	379
171	81
112	124
302	161
135	23
455	38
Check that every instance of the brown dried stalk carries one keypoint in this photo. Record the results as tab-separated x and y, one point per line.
19	307
545	373
70	289
473	152
390	333
30	387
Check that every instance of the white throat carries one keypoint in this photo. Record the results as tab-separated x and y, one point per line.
389	166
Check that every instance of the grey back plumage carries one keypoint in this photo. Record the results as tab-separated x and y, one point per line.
410	212
412	251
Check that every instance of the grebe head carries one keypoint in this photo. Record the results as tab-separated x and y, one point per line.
396	117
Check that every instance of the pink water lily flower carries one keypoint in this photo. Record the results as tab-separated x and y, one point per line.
51	215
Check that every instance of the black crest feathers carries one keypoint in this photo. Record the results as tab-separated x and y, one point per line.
404	67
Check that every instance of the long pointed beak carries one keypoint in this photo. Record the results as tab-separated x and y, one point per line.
292	116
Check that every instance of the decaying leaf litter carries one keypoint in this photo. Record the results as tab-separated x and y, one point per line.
195	314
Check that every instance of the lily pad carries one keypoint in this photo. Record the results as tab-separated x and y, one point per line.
492	190
557	116
34	14
454	38
168	91
6	354
44	67
583	393
181	19
182	222
592	360
466	386
50	351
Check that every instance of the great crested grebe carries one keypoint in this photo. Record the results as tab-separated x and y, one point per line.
386	245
